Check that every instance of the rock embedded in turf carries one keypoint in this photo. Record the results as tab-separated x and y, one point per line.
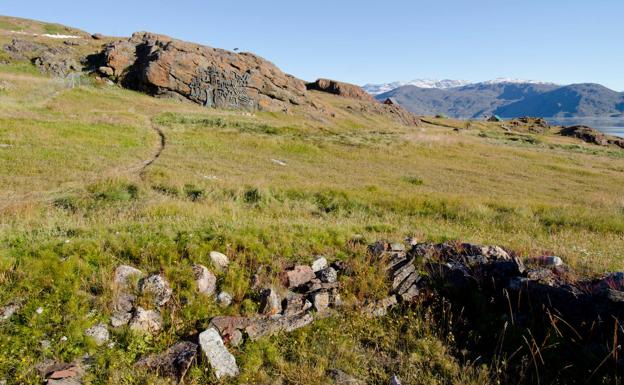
146	321
221	360
380	308
224	299
206	281
319	264
173	362
157	287
298	276
7	311
342	378
219	259
99	333
124	275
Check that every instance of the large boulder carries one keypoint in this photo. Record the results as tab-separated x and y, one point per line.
163	66
341	89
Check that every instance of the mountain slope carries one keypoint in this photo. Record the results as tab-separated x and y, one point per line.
470	101
509	99
569	101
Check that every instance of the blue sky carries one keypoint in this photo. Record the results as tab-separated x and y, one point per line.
564	41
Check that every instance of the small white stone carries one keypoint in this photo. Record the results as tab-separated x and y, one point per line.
219	259
63	339
224	299
99	333
554	261
205	280
39	310
319	264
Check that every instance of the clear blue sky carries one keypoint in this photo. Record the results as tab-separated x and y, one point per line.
361	41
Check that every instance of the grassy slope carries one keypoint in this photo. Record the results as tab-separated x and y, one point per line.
74	205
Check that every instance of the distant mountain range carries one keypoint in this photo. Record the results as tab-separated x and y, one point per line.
507	98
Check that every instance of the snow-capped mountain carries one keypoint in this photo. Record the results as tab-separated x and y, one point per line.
376	89
515	81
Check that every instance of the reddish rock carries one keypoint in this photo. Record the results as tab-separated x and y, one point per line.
163	66
341	89
298	276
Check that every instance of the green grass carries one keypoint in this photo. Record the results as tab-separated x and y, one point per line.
75	204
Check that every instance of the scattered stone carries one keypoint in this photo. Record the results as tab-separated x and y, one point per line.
236	338
205	280
321	301
410	293
224	299
319	264
99	333
328	275
259	327
397	247
219	259
279	162
222	362
46	344
553	261
123	304
298	276
173	362
158	288
106	71
146	321
380	308
7	311
270	303
124	275
402	274
39	310
342	378
97	36
295	304
395	380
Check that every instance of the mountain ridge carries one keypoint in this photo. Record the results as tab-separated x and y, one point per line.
511	99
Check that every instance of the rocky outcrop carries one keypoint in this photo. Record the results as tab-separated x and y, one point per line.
163	66
54	61
341	89
591	135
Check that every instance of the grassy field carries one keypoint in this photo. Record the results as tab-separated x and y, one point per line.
76	200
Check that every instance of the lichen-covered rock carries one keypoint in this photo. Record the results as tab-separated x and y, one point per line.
211	77
328	275
221	360
224	299
146	321
157	287
99	333
219	259
173	362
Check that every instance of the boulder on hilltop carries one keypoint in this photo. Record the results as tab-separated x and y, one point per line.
163	66
341	89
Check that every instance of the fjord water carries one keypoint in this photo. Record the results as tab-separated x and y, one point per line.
608	125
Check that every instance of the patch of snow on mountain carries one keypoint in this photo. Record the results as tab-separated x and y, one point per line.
376	89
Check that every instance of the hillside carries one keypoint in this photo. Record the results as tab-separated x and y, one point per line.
511	100
223	228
